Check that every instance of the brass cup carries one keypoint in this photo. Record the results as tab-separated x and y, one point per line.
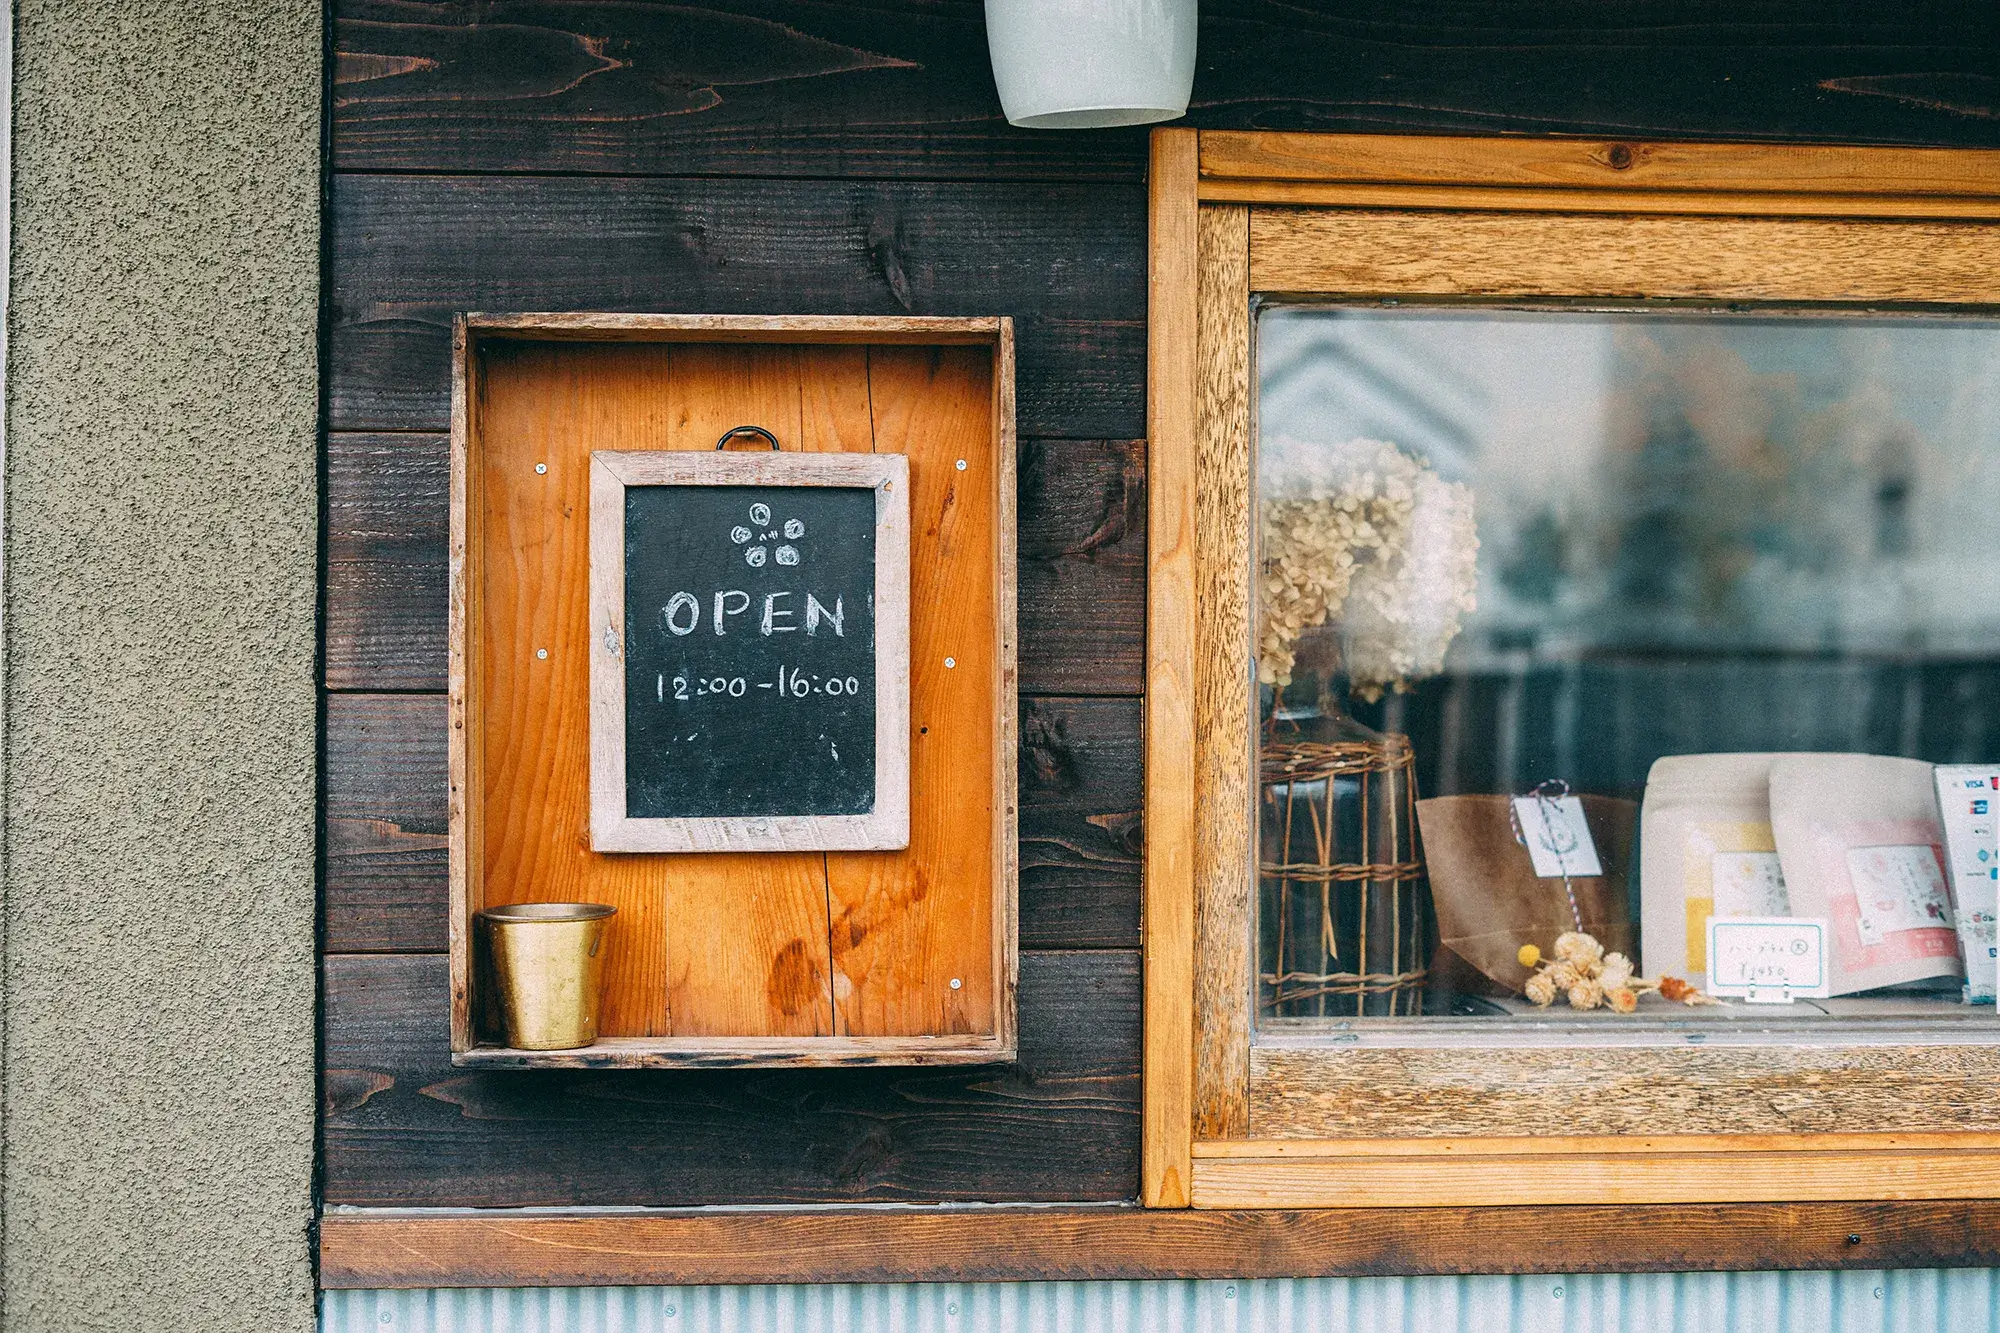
548	963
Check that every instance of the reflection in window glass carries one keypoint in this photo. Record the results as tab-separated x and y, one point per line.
1732	571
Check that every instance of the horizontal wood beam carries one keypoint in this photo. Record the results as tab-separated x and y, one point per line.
1529	199
1468	1147
1041	1243
1627	165
1409	254
1652	1169
1596	176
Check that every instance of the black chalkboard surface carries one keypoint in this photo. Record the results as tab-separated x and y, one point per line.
750	686
750	651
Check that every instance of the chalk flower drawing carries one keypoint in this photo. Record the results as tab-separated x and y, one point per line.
756	555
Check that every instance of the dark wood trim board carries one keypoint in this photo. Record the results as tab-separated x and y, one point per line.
401	1248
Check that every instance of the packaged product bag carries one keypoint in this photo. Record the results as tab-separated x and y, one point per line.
1705	849
1861	845
1489	900
1969	800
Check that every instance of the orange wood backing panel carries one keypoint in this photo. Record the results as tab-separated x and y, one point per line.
745	945
552	405
833	418
833	401
746	934
906	923
701	944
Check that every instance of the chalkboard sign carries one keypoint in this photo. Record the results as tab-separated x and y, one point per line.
750	630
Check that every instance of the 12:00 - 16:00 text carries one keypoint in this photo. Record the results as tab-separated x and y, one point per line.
790	684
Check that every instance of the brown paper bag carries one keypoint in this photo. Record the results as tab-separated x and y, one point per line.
1489	901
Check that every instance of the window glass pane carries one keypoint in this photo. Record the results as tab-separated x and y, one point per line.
1735	569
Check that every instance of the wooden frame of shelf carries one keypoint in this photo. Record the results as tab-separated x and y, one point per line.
1237	217
889	957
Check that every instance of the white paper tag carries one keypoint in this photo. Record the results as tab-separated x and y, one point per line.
1767	958
1898	887
1748	884
1558	839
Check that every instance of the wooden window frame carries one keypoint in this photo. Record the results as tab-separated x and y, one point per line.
1231	1123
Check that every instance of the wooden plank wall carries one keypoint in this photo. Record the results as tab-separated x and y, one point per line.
781	156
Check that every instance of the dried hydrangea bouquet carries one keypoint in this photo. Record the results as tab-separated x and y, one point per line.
1368	563
1365	535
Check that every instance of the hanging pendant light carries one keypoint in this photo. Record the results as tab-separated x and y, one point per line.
1085	64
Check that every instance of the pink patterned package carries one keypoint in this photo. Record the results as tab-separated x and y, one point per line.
1861	845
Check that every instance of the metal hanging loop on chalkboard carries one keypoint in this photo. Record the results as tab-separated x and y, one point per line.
735	431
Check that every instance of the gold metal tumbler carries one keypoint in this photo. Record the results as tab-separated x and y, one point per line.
548	962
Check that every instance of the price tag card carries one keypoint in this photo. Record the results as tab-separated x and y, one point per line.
1556	836
1773	959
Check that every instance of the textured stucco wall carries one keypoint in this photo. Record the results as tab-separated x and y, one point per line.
161	538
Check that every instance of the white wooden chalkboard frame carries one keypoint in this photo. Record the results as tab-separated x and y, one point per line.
887	826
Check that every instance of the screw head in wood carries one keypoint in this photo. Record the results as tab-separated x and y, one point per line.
541	468
961	465
950	662
956	983
542	653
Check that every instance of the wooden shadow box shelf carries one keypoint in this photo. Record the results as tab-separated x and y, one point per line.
742	958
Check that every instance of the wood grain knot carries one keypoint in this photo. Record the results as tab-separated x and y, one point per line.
1126	828
1047	760
1620	156
794	982
344	1090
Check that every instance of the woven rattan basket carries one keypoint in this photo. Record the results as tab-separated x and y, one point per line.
1343	926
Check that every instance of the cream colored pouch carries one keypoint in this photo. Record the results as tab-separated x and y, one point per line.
1705	848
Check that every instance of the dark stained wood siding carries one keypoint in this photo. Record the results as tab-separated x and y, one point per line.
815	156
404	1128
1066	260
820	89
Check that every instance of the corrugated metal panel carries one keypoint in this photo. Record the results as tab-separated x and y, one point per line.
1913	1301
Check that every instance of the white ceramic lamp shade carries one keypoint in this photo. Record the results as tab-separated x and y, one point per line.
1083	64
